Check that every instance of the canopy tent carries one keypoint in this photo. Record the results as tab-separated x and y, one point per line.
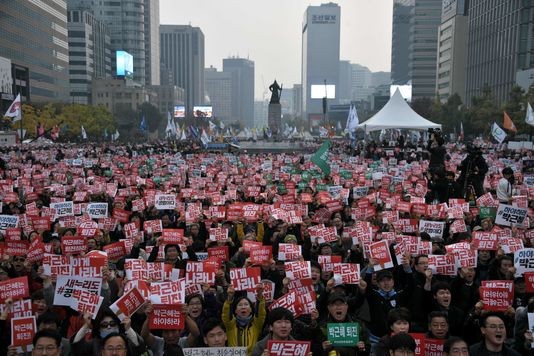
397	114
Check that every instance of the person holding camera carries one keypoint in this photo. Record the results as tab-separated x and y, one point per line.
436	149
473	171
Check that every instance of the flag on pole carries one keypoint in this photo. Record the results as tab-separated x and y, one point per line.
115	136
212	126
204	137
15	110
320	158
169	130
508	123
461	131
529	118
84	134
352	120
143	126
221	125
105	133
498	133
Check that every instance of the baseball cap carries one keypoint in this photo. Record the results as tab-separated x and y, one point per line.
380	275
334	297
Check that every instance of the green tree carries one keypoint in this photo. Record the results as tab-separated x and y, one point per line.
482	114
151	114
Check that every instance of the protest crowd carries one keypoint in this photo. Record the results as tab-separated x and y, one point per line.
153	249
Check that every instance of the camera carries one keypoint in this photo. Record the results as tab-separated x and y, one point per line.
436	132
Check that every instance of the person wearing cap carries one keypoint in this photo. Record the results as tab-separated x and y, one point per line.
505	186
385	297
317	331
290	239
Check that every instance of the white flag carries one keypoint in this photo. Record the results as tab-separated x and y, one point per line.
529	119
84	134
352	119
212	126
204	137
15	110
115	136
498	133
221	125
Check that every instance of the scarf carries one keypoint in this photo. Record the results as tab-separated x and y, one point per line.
242	322
387	295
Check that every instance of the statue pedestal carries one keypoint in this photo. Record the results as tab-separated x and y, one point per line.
274	118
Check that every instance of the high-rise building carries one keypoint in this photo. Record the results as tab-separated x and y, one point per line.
320	56
297	100
90	54
242	89
424	24
126	23
452	50
182	53
400	41
344	92
219	86
361	82
152	42
500	42
34	35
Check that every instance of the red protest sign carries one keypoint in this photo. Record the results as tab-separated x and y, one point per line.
87	302
483	240
17	248
260	255
169	292
115	250
14	288
288	252
250	245
380	252
220	252
296	348
23	330
419	343
289	301
347	273
126	305
218	234
73	245
13	234
529	281
434	347
153	226
327	262
497	295
172	236
245	278
200	272
87	229
121	215
167	317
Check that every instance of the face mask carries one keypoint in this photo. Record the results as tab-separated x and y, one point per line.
107	331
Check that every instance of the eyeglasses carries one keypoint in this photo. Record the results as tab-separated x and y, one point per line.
45	349
105	324
115	348
19	259
493	326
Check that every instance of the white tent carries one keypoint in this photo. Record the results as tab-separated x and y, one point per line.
397	114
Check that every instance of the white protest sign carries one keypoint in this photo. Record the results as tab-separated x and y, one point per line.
524	261
165	201
65	286
7	221
215	351
509	215
433	228
97	210
65	208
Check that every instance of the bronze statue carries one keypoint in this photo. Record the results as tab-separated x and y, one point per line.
276	91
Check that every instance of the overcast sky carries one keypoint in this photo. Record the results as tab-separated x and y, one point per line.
268	32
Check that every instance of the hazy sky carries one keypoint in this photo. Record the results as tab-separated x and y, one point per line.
268	32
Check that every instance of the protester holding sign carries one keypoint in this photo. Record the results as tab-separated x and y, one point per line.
280	322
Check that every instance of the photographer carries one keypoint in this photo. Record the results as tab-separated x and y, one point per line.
438	187
436	150
473	170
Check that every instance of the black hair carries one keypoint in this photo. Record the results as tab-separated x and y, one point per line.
52	334
316	265
37	295
122	336
211	324
167	247
195	295
402	341
49	318
450	342
488	315
397	314
416	258
280	314
439	286
437	314
105	312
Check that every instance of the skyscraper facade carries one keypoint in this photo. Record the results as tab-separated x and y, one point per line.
34	35
152	42
400	41
219	86
500	37
242	89
90	54
424	24
125	20
320	54
182	52
452	50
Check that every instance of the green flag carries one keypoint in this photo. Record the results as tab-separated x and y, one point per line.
320	158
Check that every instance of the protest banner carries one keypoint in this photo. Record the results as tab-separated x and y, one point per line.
172	236
346	273
152	226
283	348
524	261
497	295
511	244
14	288
343	334
165	201
260	255
529	282
215	351
289	252
170	292
62	209
419	343
87	229
135	269
245	278
220	252
138	205
433	228
434	347
298	269
200	272
13	234
116	250
218	234
327	262
19	307
97	210
485	240
73	245
126	305
249	245
23	330
442	264
380	252
509	215
268	290
65	286
17	248
161	271
166	317
86	302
